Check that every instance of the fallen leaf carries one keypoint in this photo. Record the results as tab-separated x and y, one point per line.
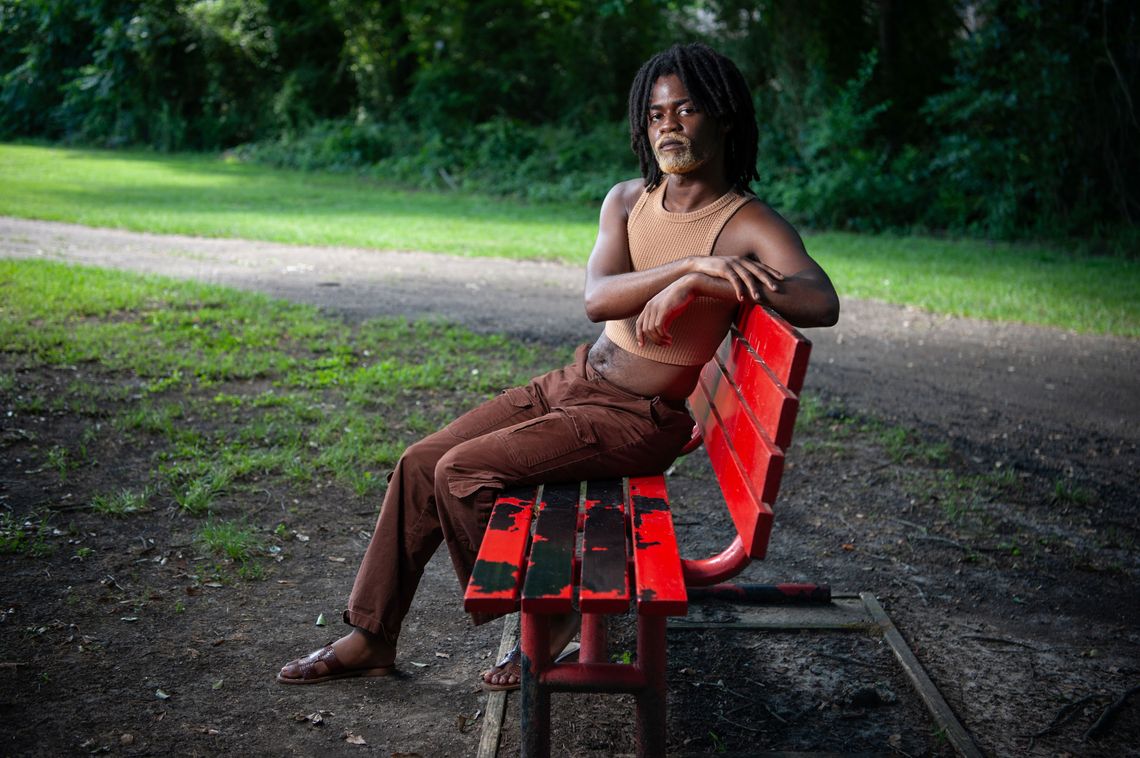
127	740
321	619
848	546
218	684
417	664
353	739
161	695
464	722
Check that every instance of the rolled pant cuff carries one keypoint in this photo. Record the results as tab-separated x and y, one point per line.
368	624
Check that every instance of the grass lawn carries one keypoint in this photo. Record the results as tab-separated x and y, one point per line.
230	389
208	196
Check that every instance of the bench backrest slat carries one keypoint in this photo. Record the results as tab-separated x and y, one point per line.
495	580
750	514
772	403
604	585
782	348
657	568
549	583
745	407
758	455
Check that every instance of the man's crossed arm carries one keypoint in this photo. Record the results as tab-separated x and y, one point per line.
758	257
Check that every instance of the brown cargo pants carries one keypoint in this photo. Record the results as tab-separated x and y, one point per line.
567	425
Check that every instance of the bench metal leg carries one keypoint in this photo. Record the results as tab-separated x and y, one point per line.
535	705
651	701
593	638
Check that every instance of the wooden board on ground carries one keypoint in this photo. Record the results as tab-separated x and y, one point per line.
844	613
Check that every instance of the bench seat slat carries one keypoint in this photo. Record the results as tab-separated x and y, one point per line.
497	576
604	586
657	562
548	587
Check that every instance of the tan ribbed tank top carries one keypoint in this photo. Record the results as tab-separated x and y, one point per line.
657	237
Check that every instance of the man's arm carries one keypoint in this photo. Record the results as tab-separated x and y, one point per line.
756	240
615	291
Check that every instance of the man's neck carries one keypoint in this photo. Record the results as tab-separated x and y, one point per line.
685	193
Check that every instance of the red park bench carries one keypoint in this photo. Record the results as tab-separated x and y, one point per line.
745	409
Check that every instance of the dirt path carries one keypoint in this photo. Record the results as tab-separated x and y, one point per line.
1019	603
1044	398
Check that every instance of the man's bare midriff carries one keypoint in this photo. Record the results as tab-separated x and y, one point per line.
642	376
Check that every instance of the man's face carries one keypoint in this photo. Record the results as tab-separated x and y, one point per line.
683	137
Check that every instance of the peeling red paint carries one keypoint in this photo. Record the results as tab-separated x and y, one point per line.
496	576
657	562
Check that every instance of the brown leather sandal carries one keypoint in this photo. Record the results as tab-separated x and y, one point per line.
334	669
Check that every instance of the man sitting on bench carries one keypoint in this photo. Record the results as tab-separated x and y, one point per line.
677	251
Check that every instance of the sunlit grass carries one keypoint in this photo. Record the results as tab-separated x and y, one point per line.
1028	283
210	196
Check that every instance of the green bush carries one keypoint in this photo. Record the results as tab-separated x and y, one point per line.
501	156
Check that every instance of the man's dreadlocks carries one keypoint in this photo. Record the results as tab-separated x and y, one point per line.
717	87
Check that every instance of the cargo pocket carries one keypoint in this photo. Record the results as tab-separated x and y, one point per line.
496	413
557	435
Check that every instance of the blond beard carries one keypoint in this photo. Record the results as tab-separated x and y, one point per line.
678	161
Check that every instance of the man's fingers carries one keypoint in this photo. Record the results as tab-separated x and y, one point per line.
749	278
752	260
646	330
763	276
737	283
764	272
653	332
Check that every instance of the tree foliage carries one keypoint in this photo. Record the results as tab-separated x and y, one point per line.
997	117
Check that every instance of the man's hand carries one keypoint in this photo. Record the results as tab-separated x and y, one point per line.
662	309
747	275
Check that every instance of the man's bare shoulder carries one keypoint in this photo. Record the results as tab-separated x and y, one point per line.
759	216
625	194
750	227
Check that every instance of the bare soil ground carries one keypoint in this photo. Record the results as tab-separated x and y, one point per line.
1017	591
